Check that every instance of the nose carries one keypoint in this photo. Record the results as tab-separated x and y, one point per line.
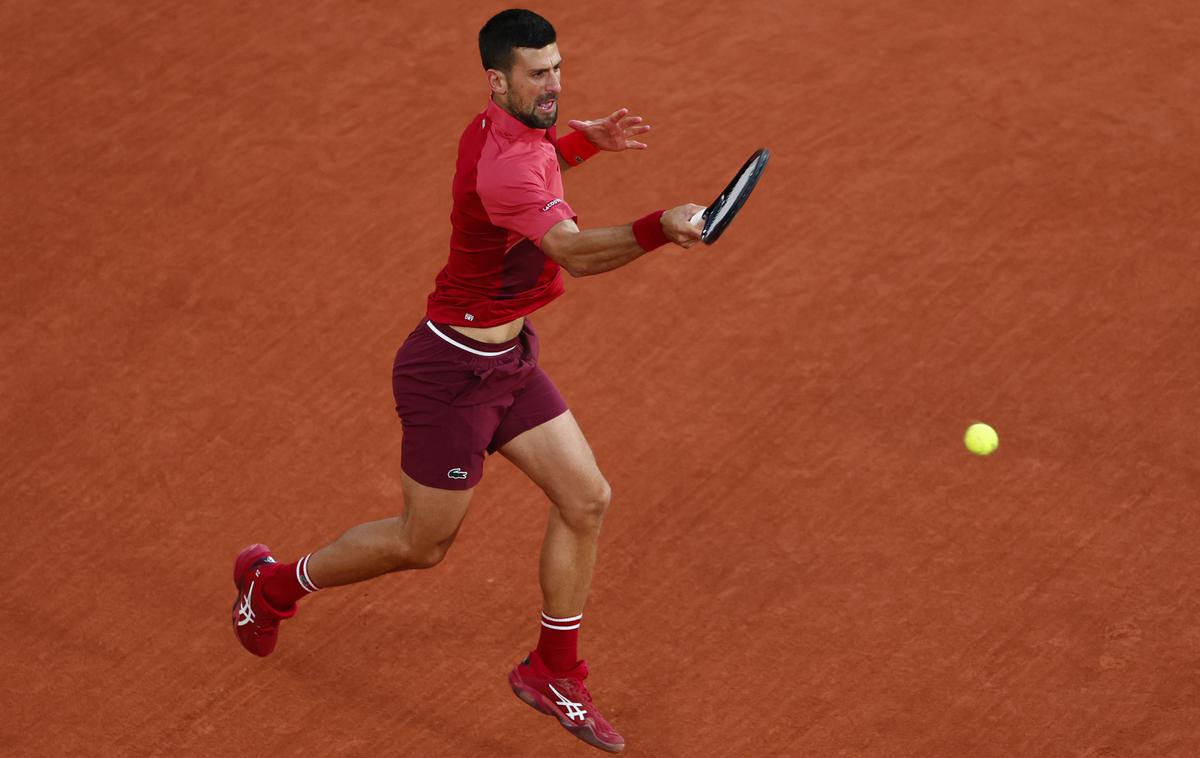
555	83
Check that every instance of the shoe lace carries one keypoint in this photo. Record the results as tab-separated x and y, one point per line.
580	692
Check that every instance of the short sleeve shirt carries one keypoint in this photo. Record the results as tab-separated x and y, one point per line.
508	193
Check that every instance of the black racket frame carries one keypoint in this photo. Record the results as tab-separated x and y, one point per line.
712	233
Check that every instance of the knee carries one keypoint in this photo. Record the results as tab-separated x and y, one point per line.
586	509
424	557
414	554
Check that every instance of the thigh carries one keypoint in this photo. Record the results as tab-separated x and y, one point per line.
432	515
536	402
557	457
450	402
444	445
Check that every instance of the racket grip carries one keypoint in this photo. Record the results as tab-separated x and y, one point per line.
699	217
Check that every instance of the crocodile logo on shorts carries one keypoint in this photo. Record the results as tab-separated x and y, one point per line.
456	473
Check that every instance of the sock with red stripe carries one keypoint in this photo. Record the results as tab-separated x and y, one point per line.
288	583
558	645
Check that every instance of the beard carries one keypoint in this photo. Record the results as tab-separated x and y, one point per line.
534	118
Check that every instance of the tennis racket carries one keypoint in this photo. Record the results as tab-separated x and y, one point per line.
718	216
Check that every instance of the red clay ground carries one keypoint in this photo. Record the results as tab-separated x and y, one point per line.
219	221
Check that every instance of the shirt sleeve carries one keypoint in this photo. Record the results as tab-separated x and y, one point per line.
520	201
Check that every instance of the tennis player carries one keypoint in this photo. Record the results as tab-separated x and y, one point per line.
467	381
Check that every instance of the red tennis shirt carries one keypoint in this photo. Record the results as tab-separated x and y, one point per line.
508	193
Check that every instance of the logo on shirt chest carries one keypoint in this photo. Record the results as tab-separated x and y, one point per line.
550	204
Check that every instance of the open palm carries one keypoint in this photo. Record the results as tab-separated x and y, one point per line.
614	133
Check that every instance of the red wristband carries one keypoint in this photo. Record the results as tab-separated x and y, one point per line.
649	231
575	148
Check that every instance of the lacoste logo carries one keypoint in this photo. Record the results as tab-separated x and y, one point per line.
550	204
456	473
574	710
245	612
469	316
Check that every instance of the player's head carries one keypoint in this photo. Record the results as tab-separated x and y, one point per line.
520	54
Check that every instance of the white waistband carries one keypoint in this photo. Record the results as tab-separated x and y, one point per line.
461	346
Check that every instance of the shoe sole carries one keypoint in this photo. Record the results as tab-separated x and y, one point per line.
542	704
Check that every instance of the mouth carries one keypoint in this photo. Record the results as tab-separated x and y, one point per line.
547	106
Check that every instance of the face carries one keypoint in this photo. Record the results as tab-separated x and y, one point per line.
530	90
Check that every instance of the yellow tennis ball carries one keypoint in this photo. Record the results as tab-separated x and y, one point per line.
981	439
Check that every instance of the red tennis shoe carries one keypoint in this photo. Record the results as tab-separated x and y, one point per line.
255	622
564	697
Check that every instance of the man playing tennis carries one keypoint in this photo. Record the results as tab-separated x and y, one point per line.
467	382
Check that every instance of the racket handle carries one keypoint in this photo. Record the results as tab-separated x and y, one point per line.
699	217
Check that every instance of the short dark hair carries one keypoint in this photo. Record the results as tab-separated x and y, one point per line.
510	29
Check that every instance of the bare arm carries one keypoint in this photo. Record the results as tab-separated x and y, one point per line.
583	252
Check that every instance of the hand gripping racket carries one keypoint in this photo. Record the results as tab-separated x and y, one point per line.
717	216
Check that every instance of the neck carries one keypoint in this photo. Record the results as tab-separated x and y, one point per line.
504	107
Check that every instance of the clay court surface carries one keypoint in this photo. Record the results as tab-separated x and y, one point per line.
220	219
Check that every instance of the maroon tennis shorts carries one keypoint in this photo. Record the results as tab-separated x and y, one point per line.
458	397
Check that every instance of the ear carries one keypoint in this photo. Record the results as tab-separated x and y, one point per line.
497	82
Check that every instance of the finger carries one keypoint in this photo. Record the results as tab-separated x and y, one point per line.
635	145
629	121
694	225
638	129
579	126
618	114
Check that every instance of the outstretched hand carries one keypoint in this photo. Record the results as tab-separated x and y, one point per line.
615	132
